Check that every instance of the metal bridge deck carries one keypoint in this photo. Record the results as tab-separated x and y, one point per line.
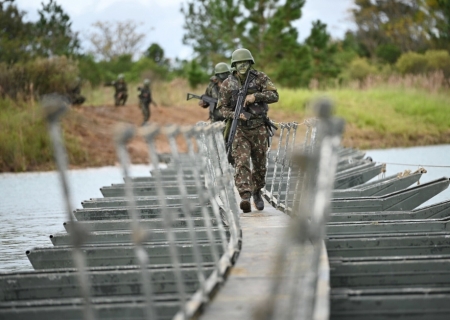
249	281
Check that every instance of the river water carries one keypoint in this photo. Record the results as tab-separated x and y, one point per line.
31	206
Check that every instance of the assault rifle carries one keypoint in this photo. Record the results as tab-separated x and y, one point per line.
240	105
211	101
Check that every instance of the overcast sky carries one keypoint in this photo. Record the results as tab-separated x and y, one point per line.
163	22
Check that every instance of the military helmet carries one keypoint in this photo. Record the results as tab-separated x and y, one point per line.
120	76
146	82
221	67
241	55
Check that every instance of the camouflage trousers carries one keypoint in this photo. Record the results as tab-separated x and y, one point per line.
250	145
145	108
120	98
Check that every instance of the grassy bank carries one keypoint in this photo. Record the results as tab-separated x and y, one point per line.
24	141
382	117
376	118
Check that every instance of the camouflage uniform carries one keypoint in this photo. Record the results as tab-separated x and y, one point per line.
121	91
75	94
251	136
213	91
145	98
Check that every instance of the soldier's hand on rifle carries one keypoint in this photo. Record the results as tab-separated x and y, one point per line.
250	99
242	116
202	104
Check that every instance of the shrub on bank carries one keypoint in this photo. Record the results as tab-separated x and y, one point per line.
24	139
431	61
28	80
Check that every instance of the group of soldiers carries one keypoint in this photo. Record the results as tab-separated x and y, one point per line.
250	144
145	96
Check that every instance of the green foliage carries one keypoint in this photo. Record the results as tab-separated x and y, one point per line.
112	68
405	24
155	53
360	69
15	34
36	77
215	28
24	140
196	75
54	35
148	68
438	60
90	70
324	65
431	61
412	62
388	53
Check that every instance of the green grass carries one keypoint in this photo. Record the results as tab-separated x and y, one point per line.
24	140
404	112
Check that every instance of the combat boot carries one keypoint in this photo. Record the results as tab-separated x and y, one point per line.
258	200
245	202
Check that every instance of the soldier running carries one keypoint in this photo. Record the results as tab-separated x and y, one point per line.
250	142
121	91
145	98
221	72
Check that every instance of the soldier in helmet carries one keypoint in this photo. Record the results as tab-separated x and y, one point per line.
121	91
74	93
221	72
145	98
250	141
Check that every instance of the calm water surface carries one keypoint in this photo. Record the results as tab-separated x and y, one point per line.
31	206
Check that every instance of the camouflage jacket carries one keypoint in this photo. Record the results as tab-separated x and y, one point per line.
120	86
262	87
213	88
145	94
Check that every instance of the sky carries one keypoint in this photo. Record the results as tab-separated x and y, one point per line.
162	21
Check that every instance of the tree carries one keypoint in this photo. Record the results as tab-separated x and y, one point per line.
215	28
155	53
323	52
441	10
405	24
54	35
15	34
111	40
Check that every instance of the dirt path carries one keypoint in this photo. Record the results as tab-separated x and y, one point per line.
94	127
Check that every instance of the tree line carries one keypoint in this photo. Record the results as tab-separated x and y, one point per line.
405	36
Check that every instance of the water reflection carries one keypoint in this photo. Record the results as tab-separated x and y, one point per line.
31	207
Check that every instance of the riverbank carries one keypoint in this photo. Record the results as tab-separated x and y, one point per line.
376	118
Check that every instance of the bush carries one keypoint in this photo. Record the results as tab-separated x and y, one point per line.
412	62
147	68
40	76
360	69
438	60
388	53
196	75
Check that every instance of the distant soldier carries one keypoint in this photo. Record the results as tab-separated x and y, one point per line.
250	141
121	91
221	72
145	98
75	93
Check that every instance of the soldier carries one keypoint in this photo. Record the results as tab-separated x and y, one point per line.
121	91
145	98
250	141
221	72
74	94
